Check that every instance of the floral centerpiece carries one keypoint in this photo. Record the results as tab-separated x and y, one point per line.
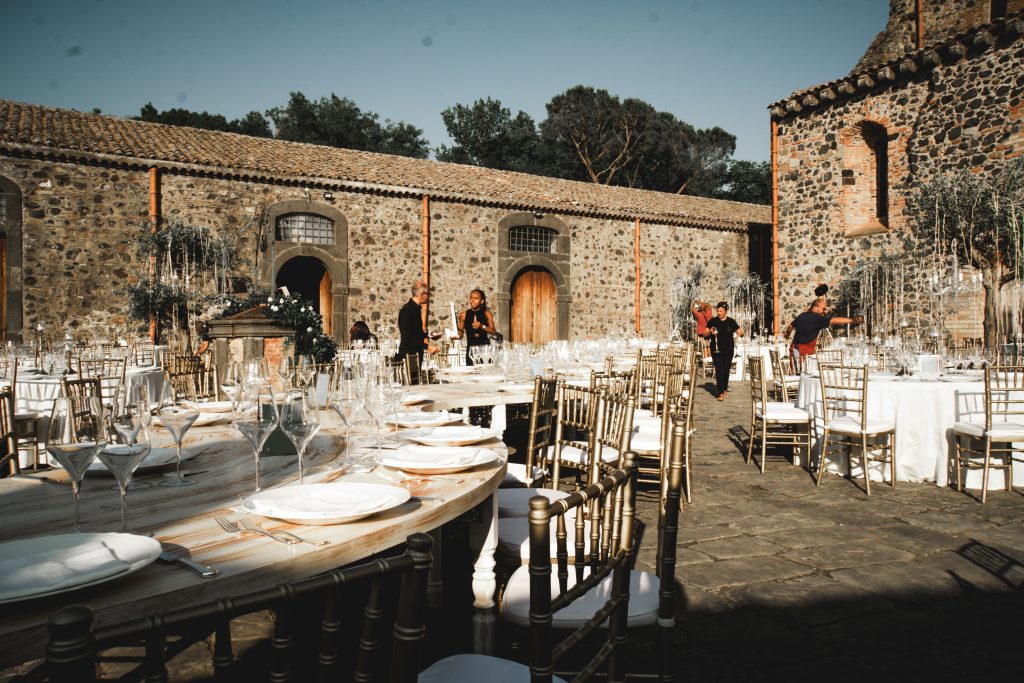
292	311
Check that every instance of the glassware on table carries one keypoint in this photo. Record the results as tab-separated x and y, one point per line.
300	421
256	417
377	401
130	415
122	460
256	371
345	399
305	368
77	433
286	371
177	416
231	382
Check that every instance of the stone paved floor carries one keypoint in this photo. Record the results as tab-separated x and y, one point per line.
781	581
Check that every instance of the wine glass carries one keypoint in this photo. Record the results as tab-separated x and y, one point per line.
257	371
344	399
286	371
305	367
122	460
376	401
130	411
300	421
77	433
256	417
176	416
231	383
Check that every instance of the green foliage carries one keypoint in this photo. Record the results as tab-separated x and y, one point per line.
293	312
746	181
486	134
337	122
148	299
252	123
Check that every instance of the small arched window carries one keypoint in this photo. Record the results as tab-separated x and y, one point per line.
532	238
305	228
865	178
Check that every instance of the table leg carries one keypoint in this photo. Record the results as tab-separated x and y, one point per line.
483	541
435	585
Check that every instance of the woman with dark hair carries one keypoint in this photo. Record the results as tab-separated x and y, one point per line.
476	322
722	329
360	332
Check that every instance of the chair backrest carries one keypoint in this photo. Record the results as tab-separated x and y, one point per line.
193	384
8	440
758	387
83	387
778	374
609	553
143	354
844	391
414	373
73	643
668	522
574	424
541	435
829	356
614	425
1004	394
109	371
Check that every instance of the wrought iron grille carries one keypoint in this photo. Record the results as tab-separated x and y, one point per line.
305	228
531	238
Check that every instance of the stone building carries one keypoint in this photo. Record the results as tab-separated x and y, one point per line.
940	88
351	230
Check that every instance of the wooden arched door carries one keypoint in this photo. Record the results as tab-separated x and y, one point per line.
532	313
309	277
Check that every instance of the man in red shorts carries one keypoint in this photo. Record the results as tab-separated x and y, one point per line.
809	324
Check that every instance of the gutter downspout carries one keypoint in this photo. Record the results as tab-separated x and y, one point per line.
426	253
636	266
154	219
919	16
775	226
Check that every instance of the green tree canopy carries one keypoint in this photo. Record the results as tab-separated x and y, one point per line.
252	123
746	181
486	134
337	122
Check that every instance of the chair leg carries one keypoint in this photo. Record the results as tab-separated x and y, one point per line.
988	463
864	463
750	444
764	444
956	463
821	458
892	458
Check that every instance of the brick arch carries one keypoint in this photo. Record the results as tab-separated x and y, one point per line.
334	256
865	177
11	284
511	263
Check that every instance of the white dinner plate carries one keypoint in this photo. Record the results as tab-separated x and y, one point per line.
203	420
418	418
450	436
413	397
459	370
48	565
157	457
484	377
437	460
321	504
214	406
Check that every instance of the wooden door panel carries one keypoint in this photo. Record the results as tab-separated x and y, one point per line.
533	307
327	303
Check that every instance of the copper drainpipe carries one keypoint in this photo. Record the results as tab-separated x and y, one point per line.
426	252
775	226
636	266
920	24
154	220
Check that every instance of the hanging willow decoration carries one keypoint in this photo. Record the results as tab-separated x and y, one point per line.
745	295
686	290
876	290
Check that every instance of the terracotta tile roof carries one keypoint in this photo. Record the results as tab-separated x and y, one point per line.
915	64
61	134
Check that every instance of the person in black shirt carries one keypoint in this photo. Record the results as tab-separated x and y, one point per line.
476	322
809	324
722	330
410	324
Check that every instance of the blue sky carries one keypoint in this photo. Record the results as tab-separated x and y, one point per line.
709	62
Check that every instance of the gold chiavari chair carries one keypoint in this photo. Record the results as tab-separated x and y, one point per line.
993	445
143	354
8	438
27	422
524	480
773	423
574	427
844	392
829	356
415	373
784	384
109	371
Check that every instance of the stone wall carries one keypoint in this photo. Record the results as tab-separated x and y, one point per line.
80	224
962	115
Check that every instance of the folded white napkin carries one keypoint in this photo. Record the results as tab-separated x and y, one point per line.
443	457
456	432
53	570
316	502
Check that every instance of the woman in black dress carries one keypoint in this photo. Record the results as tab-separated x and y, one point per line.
722	329
476	322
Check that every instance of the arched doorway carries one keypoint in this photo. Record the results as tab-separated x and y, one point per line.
533	311
309	277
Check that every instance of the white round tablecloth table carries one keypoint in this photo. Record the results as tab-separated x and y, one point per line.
925	411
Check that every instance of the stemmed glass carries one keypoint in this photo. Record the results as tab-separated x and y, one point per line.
377	400
123	459
256	416
344	400
176	416
130	415
300	421
305	367
286	371
77	433
231	383
257	371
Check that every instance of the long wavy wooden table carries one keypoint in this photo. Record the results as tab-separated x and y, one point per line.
224	468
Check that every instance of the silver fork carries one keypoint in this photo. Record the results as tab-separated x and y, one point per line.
256	526
233	528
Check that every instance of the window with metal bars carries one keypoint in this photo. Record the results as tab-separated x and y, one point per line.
531	238
305	228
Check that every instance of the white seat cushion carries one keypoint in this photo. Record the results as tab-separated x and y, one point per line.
27	416
576	455
1001	431
515	473
645	443
643	599
477	668
651	425
516	502
784	412
846	424
642	413
514	534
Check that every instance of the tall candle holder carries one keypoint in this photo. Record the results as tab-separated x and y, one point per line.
39	345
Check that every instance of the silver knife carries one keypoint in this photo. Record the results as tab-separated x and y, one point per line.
201	569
